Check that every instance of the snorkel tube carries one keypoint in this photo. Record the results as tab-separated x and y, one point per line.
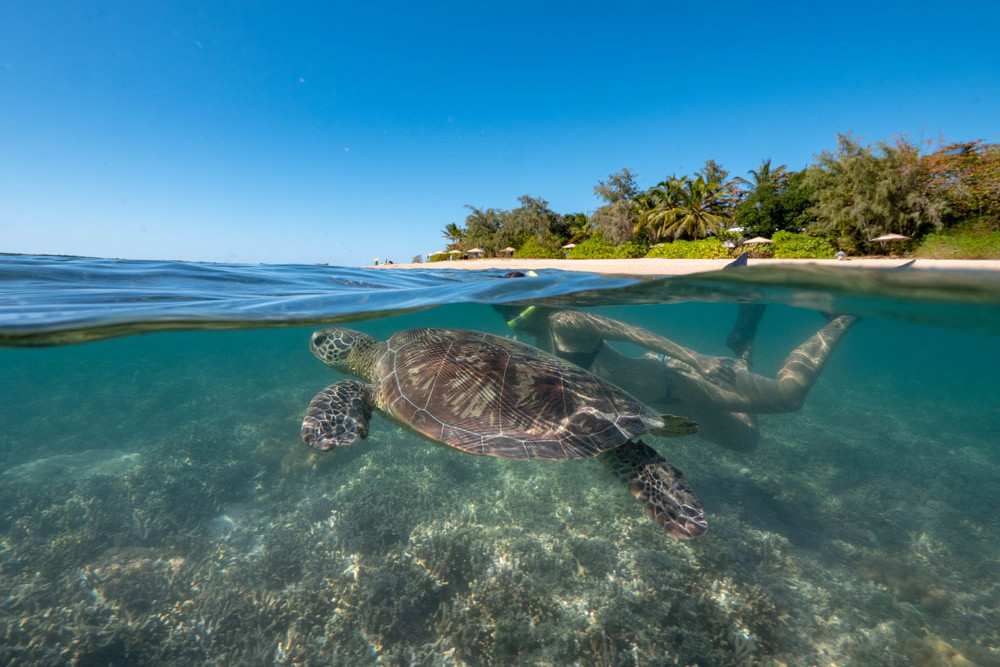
518	320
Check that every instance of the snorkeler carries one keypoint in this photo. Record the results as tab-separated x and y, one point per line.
721	393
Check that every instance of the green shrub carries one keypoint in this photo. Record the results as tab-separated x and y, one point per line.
439	257
534	249
969	241
599	247
710	248
786	245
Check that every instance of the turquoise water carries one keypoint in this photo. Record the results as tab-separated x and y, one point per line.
158	507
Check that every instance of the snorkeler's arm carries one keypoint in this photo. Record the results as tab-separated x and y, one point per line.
577	324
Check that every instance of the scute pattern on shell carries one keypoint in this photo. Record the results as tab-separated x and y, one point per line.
491	396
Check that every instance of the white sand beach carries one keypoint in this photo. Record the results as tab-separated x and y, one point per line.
677	267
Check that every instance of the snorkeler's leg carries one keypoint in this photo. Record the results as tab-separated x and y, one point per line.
806	362
787	392
753	393
741	338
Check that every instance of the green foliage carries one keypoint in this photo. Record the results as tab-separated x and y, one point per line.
535	249
533	218
417	259
862	193
787	245
688	208
773	205
710	248
973	240
599	247
620	186
494	229
846	197
967	176
482	228
765	176
439	257
618	216
579	227
454	234
616	221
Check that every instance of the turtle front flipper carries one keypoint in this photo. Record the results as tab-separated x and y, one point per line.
660	487
338	415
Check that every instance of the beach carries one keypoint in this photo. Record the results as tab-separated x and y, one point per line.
678	267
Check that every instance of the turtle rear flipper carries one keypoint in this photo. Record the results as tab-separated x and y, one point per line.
675	427
660	487
337	416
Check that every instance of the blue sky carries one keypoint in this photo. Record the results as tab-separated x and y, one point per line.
289	132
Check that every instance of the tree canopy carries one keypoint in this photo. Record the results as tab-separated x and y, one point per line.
847	197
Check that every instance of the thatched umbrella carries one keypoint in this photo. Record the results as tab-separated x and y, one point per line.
568	246
888	238
476	251
509	249
757	240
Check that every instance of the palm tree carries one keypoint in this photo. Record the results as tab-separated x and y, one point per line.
683	208
776	177
579	227
657	206
454	234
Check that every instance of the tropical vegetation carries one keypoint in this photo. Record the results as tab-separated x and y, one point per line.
946	200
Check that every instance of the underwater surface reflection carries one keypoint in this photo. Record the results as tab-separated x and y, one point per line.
159	507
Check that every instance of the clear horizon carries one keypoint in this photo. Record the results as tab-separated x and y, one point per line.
293	134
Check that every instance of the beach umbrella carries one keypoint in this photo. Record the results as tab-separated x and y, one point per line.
569	245
509	249
454	252
757	240
891	237
888	238
477	250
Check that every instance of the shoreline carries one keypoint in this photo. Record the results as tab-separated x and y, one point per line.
649	266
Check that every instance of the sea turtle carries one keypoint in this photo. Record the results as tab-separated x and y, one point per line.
493	396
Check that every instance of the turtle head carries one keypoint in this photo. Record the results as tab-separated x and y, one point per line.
344	350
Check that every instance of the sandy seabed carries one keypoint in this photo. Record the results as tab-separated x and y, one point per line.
678	267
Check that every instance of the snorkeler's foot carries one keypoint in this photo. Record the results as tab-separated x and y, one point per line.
659	486
738	262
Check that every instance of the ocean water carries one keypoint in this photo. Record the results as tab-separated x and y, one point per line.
157	505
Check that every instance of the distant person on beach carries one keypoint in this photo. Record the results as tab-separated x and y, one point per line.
721	393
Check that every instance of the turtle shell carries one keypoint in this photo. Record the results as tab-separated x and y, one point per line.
497	397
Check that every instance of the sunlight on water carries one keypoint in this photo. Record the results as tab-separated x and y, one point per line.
157	505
